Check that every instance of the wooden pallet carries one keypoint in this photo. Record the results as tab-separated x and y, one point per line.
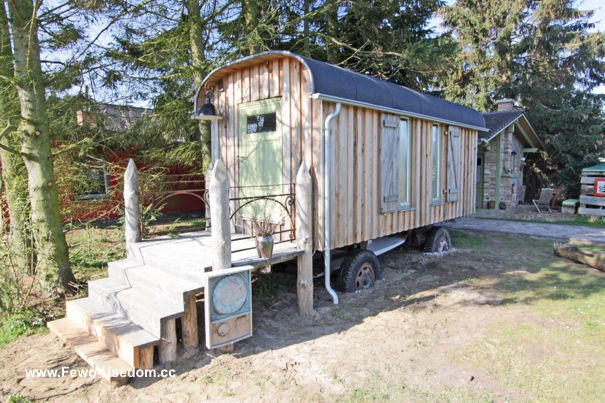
589	203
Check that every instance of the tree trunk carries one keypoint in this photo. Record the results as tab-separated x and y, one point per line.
306	38
332	30
251	9
197	45
13	171
51	247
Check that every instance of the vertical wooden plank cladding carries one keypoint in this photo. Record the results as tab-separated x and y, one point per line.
274	79
246	88
350	135
339	177
358	176
317	172
254	82
286	115
237	99
307	117
223	127
375	162
295	119
368	178
264	80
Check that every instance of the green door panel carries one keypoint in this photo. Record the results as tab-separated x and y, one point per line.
260	155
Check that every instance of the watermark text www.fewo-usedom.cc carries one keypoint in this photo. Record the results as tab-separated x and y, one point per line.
91	373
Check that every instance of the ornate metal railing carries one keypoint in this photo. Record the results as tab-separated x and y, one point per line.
240	198
285	201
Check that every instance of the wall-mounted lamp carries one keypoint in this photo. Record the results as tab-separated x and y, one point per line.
208	111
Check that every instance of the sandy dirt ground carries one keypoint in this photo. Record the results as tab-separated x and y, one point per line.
400	340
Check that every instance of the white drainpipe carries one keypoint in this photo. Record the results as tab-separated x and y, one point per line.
327	206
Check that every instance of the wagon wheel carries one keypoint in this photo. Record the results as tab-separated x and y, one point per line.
438	241
359	271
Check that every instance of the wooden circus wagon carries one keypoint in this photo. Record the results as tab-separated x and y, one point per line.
341	166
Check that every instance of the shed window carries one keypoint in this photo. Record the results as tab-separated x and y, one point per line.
395	158
404	163
435	166
262	123
93	184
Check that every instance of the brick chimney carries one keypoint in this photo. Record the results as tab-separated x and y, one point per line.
86	118
505	105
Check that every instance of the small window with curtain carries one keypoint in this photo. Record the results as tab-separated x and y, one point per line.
261	123
435	166
404	163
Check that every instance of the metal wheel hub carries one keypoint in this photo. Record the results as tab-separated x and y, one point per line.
365	277
444	245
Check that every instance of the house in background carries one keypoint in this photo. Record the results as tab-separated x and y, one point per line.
100	196
501	156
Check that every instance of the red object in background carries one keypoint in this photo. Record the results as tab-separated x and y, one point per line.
73	208
599	187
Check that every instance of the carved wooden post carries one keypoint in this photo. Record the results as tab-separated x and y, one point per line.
132	212
304	239
219	211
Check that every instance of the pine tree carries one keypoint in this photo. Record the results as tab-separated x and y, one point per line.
547	56
34	139
14	176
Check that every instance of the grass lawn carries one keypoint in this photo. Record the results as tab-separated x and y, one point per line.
90	248
542	339
499	319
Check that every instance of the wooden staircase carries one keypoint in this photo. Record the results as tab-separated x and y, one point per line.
130	315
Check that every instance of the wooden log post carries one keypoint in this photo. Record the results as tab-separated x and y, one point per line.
189	321
167	351
304	239
219	211
132	212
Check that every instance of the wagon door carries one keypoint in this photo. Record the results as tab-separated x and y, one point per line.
260	157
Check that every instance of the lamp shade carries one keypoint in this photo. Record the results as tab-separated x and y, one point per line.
208	110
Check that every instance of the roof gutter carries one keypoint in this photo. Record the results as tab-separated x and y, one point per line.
362	104
327	204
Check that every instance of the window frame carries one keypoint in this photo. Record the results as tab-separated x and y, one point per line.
97	196
407	203
436	191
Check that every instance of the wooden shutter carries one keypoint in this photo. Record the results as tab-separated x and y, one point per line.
389	174
453	163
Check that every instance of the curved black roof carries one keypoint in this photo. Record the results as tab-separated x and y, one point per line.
340	85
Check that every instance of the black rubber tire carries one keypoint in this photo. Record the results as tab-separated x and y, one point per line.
359	270
438	240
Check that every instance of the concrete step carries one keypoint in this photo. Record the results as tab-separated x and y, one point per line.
127	340
118	268
107	364
102	291
162	282
184	255
148	309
